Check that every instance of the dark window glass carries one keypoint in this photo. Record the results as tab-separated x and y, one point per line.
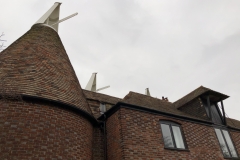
215	112
172	135
167	137
229	143
226	143
222	143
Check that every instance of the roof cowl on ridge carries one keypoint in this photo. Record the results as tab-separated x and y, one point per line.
51	17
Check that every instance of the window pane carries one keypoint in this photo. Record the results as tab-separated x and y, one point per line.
229	143
178	137
215	115
222	143
167	138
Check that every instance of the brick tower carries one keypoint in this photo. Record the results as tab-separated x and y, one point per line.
43	111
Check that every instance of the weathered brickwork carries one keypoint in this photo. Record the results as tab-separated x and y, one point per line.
114	137
236	140
95	107
137	135
43	131
98	144
195	108
37	65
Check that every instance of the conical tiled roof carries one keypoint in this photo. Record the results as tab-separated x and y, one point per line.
37	65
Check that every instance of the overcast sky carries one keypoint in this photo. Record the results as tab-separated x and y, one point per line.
171	47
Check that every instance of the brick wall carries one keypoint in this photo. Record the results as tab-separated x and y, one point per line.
43	131
114	137
236	140
137	135
98	144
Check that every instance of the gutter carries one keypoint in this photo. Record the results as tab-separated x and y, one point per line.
62	105
233	128
152	111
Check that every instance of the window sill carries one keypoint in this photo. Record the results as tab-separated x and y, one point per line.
177	149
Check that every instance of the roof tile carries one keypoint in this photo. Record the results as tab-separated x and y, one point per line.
37	65
155	104
101	97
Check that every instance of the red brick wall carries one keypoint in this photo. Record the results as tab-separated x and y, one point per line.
98	144
137	135
236	139
43	131
114	137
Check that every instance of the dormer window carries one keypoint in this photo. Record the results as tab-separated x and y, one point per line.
172	135
214	111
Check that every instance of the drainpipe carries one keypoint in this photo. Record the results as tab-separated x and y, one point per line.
103	127
104	137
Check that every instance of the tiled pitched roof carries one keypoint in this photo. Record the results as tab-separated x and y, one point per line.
155	104
194	94
101	97
233	123
168	107
37	65
149	102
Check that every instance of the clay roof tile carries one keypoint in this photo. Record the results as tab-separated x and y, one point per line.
37	65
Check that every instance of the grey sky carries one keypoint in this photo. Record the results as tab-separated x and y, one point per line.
172	47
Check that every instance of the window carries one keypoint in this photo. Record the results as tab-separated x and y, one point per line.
102	108
215	112
226	144
172	135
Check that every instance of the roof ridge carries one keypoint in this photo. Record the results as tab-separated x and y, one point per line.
101	93
192	92
196	93
147	96
233	119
